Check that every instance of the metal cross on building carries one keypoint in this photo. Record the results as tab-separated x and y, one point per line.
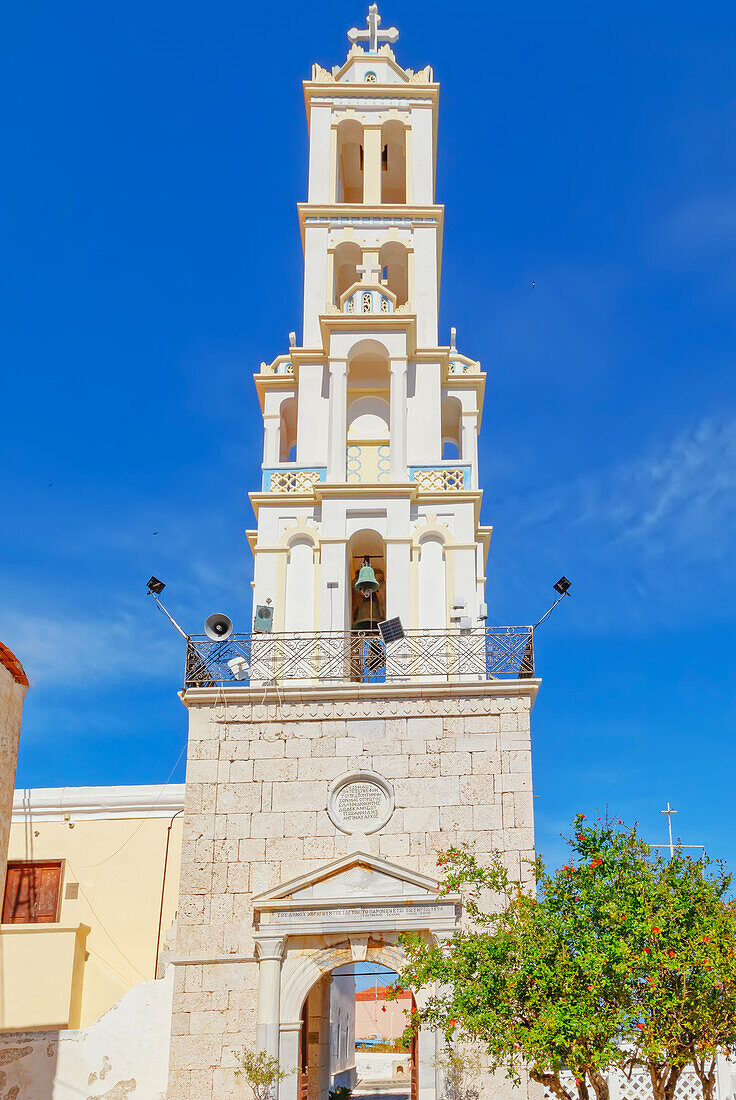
373	35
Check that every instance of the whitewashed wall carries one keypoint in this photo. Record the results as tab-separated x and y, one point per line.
125	1053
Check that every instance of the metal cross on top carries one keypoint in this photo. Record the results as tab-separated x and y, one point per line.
373	35
675	844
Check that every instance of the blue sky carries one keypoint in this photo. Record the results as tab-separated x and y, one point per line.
154	154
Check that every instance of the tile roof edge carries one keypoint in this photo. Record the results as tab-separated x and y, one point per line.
9	660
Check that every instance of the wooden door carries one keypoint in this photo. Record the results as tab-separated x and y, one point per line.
414	1093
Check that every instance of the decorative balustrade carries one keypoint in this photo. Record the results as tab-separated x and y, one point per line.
463	365
441	479
292	479
282	364
344	657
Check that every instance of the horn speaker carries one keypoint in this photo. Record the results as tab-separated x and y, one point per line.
218	627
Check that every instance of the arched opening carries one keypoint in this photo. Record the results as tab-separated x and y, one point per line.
367	606
287	430
394	260
432	584
451	428
351	1034
347	258
350	161
366	610
368	450
299	611
393	162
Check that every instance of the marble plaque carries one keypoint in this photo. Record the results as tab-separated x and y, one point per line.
360	802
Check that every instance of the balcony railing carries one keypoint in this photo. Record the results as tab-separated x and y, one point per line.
446	478
292	478
358	656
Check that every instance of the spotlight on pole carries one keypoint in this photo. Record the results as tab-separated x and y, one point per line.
562	586
155	588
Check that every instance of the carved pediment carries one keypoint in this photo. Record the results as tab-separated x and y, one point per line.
354	877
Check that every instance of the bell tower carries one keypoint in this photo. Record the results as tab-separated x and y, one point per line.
370	716
370	425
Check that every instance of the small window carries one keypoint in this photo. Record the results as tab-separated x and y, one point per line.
32	892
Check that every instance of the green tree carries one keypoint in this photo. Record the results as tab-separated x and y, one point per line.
261	1071
621	958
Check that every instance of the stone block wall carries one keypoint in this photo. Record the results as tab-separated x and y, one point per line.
255	816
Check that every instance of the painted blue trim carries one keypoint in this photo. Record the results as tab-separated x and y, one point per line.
268	472
443	466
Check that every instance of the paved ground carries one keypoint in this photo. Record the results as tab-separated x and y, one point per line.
377	1090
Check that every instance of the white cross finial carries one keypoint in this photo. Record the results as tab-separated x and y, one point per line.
373	35
369	273
669	811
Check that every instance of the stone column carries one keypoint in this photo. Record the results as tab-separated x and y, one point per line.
269	953
271	441
289	1058
372	165
397	418
13	685
469	444
338	419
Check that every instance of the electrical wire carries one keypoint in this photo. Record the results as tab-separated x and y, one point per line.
104	929
90	866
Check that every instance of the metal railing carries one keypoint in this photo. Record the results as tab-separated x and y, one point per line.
359	656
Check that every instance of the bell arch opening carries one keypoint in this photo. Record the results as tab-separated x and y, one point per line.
368	445
350	161
393	162
348	256
394	260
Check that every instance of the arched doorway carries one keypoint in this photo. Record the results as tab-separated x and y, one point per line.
351	910
350	1035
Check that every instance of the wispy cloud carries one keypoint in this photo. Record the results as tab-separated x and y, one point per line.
655	531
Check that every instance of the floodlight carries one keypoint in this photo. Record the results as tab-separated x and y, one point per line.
562	585
155	586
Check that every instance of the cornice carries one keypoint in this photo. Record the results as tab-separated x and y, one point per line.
393	490
54	803
316	89
392	213
322	701
371	322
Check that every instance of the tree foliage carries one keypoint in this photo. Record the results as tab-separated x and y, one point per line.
621	958
261	1071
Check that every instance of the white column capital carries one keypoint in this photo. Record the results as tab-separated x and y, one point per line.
270	947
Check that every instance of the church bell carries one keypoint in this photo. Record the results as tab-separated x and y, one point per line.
366	582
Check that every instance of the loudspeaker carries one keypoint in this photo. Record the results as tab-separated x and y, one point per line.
263	619
218	627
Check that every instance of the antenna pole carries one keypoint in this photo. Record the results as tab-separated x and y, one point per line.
173	621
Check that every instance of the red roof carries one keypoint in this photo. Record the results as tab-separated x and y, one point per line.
13	665
378	993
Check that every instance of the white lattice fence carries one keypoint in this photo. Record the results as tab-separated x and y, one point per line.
638	1086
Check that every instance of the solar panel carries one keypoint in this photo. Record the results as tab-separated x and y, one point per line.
391	630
